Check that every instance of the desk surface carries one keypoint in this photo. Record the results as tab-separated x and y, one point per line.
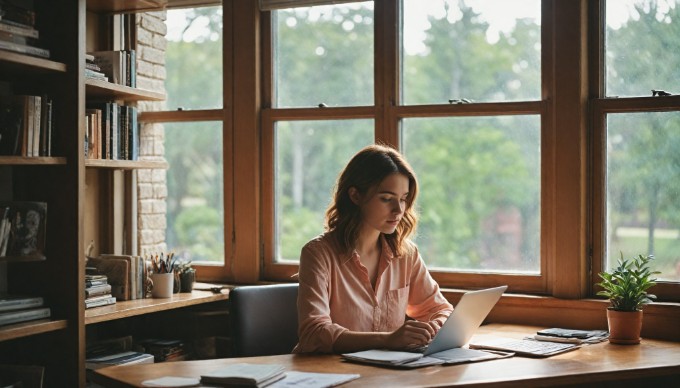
601	362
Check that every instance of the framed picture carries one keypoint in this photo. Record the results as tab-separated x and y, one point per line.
22	230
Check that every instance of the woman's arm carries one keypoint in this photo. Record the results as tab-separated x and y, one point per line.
412	334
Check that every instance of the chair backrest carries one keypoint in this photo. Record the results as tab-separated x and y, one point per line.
263	319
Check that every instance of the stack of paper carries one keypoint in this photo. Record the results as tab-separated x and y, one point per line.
246	375
556	334
415	360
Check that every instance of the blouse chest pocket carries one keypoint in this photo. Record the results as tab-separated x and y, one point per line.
397	301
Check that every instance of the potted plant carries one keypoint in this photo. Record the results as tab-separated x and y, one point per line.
626	287
187	276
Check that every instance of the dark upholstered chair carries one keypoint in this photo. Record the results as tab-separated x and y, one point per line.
263	319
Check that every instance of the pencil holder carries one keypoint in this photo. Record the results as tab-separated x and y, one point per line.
163	284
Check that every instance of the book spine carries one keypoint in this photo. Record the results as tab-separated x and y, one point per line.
100	302
5	26
24	315
37	118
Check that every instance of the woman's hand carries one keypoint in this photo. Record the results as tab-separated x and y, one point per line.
411	334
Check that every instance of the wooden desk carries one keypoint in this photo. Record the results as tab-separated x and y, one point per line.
601	363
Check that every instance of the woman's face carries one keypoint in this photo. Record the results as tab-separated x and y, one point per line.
383	211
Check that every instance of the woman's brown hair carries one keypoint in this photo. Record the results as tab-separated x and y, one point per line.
365	171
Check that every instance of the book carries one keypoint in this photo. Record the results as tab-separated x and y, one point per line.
95	280
24	49
9	317
409	360
24	230
136	274
244	374
102	300
556	334
118	358
16	38
45	126
111	64
18	29
97	290
17	302
523	347
117	272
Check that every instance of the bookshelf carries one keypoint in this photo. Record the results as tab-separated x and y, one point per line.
77	190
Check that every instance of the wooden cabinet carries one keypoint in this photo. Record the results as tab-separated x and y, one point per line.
62	181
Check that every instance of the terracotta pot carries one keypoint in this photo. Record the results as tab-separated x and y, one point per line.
624	326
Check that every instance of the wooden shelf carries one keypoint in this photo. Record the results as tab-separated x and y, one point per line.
37	160
25	329
15	259
110	91
130	308
126	164
129	6
15	63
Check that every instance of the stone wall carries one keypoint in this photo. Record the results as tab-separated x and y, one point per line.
151	184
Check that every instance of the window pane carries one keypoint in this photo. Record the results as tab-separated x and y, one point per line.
309	156
643	187
195	213
480	185
195	51
324	54
480	50
642	46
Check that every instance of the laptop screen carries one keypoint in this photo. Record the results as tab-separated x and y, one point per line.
465	319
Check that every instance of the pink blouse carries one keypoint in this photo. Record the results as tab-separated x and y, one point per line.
336	295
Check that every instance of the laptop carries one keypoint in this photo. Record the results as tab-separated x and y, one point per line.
446	346
465	319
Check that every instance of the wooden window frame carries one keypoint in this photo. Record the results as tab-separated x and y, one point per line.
387	113
214	272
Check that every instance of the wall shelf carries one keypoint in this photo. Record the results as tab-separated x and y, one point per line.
27	161
97	89
126	164
25	329
130	308
15	63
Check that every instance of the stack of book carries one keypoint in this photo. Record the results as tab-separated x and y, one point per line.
26	125
97	291
92	70
15	309
164	349
17	31
114	351
117	65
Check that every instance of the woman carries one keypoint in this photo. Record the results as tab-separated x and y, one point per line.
363	284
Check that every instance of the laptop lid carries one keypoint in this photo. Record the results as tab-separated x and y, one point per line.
466	317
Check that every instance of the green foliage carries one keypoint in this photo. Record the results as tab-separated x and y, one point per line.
626	285
198	228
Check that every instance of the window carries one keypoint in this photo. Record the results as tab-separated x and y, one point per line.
637	135
195	139
480	191
334	86
321	82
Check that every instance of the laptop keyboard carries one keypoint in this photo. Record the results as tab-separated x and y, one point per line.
536	347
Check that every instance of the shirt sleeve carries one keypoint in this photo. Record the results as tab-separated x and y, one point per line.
426	302
316	332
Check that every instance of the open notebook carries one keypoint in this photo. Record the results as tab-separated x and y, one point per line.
525	347
446	346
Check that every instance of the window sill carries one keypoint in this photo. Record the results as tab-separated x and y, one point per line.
660	318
